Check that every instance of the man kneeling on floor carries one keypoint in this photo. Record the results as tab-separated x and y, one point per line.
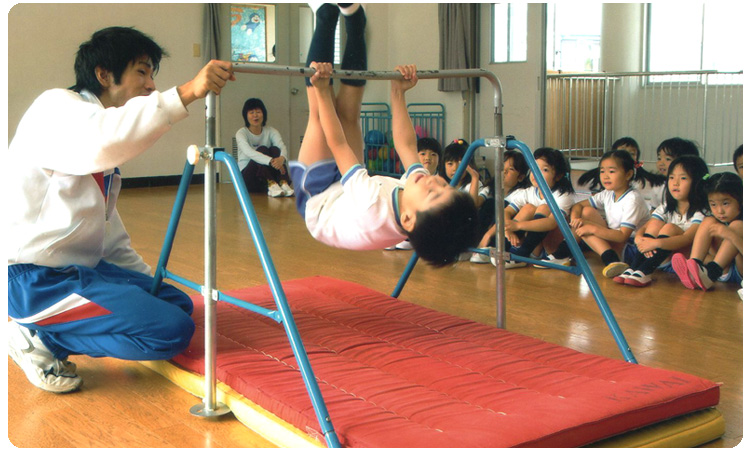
75	285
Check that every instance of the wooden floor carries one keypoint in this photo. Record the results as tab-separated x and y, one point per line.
123	404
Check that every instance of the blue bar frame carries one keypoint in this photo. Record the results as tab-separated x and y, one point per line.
282	315
582	267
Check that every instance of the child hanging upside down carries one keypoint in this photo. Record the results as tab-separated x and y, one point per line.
342	205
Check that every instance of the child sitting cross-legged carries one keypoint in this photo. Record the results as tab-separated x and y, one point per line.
624	208
716	254
673	224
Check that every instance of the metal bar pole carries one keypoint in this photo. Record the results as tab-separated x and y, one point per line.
499	143
270	69
210	407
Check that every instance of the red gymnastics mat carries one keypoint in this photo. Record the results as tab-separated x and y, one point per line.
394	374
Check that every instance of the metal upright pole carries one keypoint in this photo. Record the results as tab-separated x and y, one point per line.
499	144
210	407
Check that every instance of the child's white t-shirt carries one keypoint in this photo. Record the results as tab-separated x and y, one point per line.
532	196
360	212
628	211
676	218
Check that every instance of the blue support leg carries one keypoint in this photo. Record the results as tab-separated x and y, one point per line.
178	207
285	313
579	258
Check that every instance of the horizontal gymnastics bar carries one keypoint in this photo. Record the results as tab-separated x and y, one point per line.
271	69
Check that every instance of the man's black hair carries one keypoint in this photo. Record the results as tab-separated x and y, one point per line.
112	49
250	105
441	234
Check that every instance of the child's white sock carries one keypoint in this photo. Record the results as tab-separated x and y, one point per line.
349	8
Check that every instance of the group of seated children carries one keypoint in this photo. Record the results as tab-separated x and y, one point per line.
681	220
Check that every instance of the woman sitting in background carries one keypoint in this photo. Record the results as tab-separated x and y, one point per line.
262	156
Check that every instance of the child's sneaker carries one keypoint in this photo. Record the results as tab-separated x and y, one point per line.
638	279
614	269
553	260
510	264
480	258
39	365
699	275
404	245
621	279
287	190
274	190
680	266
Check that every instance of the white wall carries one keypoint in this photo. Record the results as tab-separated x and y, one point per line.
43	40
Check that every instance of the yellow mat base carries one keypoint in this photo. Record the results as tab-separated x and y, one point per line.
687	431
264	423
691	430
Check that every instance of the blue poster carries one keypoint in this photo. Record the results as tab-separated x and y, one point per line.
248	33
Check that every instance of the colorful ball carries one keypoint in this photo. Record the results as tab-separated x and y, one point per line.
375	137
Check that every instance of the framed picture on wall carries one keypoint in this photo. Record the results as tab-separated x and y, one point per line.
248	33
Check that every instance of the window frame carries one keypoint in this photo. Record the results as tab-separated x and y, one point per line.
697	75
509	36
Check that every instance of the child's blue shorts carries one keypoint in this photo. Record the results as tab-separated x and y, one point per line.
732	276
313	180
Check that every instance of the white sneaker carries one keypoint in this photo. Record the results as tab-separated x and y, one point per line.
287	190
275	191
553	260
638	279
404	245
480	258
39	365
509	264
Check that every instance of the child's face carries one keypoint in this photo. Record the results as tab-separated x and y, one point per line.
427	191
663	161
511	176
613	176
738	165
451	167
631	149
724	207
429	160
679	183
548	171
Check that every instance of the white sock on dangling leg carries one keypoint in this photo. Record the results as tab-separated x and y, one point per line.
349	9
